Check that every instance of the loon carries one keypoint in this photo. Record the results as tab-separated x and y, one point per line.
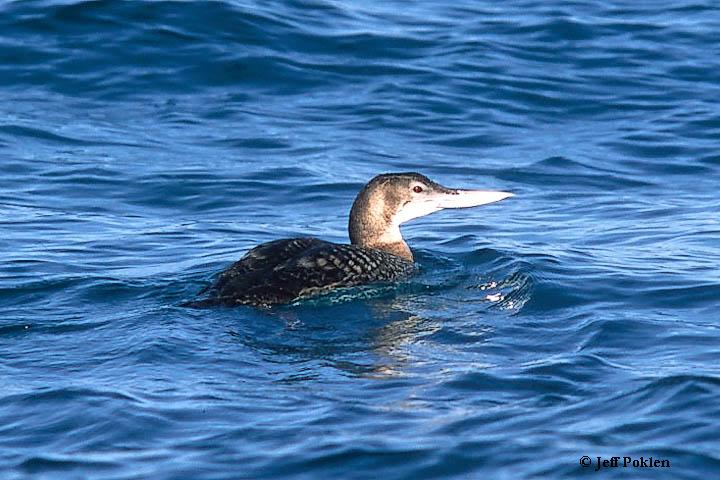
286	270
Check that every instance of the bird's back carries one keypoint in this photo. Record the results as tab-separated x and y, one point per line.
284	270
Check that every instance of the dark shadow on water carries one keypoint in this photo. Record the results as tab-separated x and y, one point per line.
358	338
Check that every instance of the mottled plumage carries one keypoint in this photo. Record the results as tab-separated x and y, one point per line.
288	269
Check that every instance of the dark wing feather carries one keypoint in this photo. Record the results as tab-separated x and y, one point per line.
283	270
267	256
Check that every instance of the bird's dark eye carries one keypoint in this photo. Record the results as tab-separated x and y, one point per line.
417	189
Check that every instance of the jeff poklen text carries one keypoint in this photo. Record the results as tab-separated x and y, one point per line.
624	462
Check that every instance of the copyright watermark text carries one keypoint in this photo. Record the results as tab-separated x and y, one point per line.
623	462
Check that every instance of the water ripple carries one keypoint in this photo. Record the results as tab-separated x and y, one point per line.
146	145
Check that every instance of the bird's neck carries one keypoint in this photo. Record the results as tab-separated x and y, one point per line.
399	249
388	239
370	230
374	223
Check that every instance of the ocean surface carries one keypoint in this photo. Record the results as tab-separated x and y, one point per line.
146	145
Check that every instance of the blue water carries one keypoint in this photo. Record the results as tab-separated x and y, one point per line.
144	146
